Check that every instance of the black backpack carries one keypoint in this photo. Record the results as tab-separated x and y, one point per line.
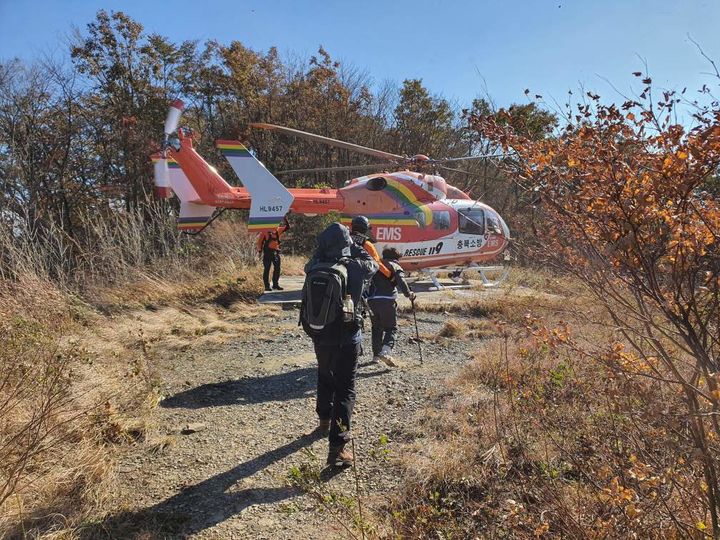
322	298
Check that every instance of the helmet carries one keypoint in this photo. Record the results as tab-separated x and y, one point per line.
360	224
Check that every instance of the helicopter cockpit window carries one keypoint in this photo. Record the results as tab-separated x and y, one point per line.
441	220
471	221
376	184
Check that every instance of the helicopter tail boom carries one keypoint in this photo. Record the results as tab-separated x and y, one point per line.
195	180
194	217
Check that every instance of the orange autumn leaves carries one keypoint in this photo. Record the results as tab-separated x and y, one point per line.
625	187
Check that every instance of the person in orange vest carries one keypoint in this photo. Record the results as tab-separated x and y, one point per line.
268	245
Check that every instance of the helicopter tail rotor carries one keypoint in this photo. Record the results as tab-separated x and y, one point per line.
163	185
173	119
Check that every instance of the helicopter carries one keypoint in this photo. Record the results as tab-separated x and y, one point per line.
435	227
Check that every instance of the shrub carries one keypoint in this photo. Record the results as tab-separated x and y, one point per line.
628	209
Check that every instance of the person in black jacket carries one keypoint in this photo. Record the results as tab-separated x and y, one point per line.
337	351
383	306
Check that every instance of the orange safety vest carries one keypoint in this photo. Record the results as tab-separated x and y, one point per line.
270	239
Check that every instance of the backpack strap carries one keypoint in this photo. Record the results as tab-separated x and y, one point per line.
358	238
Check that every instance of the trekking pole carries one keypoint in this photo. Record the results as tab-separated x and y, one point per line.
417	332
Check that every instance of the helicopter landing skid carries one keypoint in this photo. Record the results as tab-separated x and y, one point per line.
491	276
504	270
436	285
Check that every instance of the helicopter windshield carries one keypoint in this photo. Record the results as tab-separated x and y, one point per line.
493	225
471	221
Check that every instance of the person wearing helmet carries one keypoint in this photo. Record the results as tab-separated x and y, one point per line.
268	246
360	232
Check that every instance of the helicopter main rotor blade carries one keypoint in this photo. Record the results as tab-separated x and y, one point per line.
332	142
469	173
333	169
466	158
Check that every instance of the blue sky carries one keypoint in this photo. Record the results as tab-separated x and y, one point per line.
458	48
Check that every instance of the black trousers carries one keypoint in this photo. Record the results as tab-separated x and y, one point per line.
271	257
337	368
384	323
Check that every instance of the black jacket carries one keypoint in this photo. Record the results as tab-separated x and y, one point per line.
387	288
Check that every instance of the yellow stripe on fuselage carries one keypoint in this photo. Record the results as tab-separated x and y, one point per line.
412	199
225	146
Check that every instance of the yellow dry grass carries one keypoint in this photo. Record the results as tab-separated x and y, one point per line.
112	340
452	328
293	265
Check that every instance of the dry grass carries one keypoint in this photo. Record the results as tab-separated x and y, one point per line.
473	329
293	265
51	459
452	328
534	439
86	385
510	305
538	280
83	327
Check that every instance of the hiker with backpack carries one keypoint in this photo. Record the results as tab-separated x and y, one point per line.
268	246
383	306
330	314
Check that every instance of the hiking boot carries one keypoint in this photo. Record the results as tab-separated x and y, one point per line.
339	456
267	288
278	288
386	357
388	360
323	428
376	359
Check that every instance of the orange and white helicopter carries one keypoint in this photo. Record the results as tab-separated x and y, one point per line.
435	226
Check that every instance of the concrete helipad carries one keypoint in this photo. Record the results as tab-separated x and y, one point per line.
292	285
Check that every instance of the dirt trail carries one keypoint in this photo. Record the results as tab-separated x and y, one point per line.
243	380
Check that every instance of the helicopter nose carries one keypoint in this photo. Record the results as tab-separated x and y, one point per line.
505	228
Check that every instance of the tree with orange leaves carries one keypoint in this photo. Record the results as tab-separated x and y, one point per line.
630	205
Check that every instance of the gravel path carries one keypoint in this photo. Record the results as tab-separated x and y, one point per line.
236	419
